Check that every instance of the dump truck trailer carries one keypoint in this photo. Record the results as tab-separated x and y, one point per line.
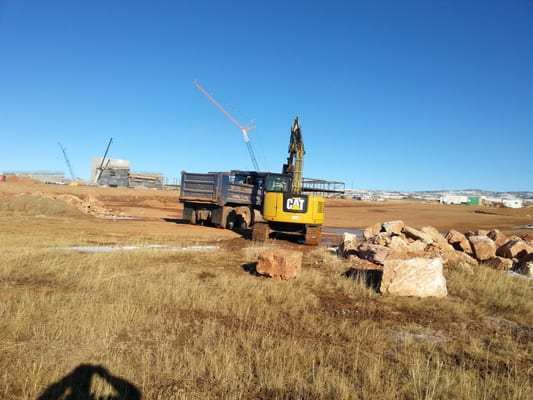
223	199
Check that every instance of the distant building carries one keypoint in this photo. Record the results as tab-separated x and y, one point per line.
113	172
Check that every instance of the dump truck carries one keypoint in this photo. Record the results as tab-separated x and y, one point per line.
222	199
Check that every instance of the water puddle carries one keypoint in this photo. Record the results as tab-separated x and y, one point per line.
106	249
333	236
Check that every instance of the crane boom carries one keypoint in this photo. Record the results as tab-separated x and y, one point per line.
68	162
244	130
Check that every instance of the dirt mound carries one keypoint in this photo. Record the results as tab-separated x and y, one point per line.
37	205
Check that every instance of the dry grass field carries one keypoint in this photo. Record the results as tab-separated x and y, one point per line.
192	322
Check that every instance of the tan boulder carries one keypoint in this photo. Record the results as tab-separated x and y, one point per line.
459	241
280	263
416	234
514	248
498	236
437	237
499	263
372	231
483	247
420	277
393	227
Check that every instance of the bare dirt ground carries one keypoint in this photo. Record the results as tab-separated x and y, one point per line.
159	213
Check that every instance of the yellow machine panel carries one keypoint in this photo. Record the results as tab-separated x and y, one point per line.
293	208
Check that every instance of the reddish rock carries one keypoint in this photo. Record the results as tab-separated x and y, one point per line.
373	252
280	263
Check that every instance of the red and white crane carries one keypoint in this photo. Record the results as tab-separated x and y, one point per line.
244	130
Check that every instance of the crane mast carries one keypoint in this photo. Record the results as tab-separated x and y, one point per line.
244	130
295	160
67	161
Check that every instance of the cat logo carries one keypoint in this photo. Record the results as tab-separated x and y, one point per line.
295	204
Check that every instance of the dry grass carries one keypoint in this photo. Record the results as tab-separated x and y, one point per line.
197	325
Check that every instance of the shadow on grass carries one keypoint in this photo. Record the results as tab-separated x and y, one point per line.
370	277
251	268
77	385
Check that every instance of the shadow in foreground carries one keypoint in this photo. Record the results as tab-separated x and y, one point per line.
251	269
176	221
370	277
77	386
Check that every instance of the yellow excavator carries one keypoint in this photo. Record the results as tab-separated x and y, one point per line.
285	207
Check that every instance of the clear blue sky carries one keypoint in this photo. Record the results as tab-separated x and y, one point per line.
394	95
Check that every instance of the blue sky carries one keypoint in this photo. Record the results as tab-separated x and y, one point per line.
392	95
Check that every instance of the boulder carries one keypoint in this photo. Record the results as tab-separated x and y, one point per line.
348	246
457	259
483	247
499	263
420	277
280	263
372	231
528	238
393	227
498	236
514	248
415	234
525	265
437	237
458	241
373	252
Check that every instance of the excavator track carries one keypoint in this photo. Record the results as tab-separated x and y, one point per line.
313	235
261	231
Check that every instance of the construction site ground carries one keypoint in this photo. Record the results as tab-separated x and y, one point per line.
157	214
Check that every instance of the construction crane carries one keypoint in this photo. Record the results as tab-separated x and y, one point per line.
67	161
100	169
243	129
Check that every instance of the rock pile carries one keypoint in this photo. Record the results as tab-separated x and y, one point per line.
394	240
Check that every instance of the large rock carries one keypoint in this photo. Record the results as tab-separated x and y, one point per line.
348	246
514	248
280	263
437	237
420	277
393	227
373	252
483	247
525	266
459	241
500	263
372	231
416	234
498	236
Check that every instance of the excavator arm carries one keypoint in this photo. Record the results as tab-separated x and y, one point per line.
295	160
